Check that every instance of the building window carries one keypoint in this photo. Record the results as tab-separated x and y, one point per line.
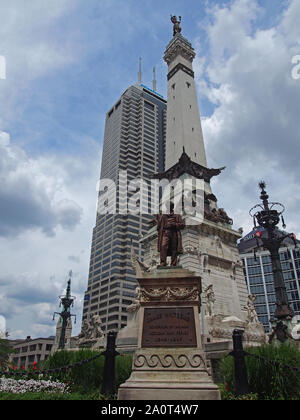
148	105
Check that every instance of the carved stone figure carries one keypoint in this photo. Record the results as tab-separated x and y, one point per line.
138	266
85	332
96	325
169	237
136	302
176	25
235	266
251	311
91	332
210	300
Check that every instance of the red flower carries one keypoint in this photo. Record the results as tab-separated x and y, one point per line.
227	387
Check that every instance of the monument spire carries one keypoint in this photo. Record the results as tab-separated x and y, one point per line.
183	118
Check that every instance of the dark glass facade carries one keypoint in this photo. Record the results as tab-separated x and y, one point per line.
259	278
134	141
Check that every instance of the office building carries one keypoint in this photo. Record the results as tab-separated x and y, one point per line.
134	144
28	351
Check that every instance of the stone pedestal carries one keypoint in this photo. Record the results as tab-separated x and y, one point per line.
210	250
169	363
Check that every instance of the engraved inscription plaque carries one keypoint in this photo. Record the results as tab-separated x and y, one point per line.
169	327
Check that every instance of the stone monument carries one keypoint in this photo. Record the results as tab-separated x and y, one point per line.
209	241
169	363
173	329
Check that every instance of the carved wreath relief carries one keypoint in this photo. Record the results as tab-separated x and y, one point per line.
166	294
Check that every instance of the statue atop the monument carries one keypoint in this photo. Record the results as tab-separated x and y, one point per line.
176	25
169	236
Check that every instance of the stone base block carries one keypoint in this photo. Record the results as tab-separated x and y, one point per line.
169	374
167	394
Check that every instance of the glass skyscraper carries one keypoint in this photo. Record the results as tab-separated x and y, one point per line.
134	141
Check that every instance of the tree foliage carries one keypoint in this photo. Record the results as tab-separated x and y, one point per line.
5	351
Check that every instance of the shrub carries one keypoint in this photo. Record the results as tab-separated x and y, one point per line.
226	394
81	378
88	377
123	368
270	381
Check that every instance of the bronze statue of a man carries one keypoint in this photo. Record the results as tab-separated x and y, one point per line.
169	237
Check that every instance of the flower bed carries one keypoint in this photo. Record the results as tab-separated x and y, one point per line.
21	386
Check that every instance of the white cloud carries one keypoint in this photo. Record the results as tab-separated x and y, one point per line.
33	193
48	208
254	127
24	36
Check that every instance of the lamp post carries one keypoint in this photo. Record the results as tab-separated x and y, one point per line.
66	302
267	216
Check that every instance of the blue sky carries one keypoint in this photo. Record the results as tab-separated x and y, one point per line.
68	62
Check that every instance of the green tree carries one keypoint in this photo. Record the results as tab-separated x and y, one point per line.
5	351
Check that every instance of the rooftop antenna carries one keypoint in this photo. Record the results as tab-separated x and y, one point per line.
140	71
154	79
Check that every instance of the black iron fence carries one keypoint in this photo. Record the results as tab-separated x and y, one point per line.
240	370
108	385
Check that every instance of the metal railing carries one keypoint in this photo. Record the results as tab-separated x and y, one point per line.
240	369
108	384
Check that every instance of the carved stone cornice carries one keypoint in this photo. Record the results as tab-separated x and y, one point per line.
220	262
186	166
226	234
179	46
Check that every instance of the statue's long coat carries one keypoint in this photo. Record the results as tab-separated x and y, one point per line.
162	220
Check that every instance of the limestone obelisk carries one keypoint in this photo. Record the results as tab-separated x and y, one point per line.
210	244
169	362
183	118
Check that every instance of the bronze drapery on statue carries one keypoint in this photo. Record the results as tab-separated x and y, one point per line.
169	237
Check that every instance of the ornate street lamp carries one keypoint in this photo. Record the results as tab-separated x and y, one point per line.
66	302
267	216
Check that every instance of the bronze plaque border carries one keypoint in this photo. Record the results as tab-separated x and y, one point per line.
181	309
